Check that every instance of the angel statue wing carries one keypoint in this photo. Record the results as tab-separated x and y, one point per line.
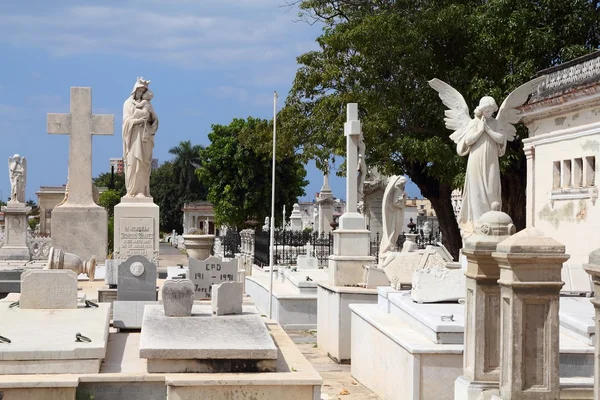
457	115
24	163
508	114
10	161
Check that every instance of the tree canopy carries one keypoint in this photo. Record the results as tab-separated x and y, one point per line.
381	54
187	159
171	185
114	182
237	173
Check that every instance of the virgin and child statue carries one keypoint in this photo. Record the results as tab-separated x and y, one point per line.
140	124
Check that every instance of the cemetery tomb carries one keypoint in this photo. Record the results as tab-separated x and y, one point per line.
179	337
49	332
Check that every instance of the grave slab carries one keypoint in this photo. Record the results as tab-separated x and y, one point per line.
48	289
129	314
212	271
576	316
193	344
442	323
43	341
438	283
227	298
178	298
137	280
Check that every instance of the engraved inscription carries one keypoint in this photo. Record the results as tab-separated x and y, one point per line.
136	237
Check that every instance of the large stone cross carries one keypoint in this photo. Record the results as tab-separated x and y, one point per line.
80	124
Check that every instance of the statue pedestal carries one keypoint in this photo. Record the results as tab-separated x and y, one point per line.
136	228
81	230
15	241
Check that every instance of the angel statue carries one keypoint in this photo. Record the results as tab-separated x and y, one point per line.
394	199
17	171
483	138
361	169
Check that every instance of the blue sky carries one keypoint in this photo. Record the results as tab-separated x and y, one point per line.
209	61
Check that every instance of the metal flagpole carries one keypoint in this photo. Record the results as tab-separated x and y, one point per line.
272	228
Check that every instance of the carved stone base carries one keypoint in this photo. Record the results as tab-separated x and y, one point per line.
15	243
82	231
136	229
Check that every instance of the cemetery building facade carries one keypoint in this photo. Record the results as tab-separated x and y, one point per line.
199	215
48	198
563	120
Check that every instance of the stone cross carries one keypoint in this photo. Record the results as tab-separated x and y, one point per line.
352	130
80	124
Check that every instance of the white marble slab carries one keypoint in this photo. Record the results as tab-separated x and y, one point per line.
47	337
175	272
204	336
442	323
129	314
576	315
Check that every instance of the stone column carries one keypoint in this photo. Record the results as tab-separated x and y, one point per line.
530	282
296	219
251	243
530	196
481	358
593	268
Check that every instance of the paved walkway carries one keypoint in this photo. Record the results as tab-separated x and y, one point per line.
338	383
169	256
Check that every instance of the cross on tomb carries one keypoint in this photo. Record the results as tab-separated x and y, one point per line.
80	124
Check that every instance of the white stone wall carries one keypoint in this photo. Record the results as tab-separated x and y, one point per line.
563	152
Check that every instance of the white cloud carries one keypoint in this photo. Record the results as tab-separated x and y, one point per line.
241	95
9	110
190	34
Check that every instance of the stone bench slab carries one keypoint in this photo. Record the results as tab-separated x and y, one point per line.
203	336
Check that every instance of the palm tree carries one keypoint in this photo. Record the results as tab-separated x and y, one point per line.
187	160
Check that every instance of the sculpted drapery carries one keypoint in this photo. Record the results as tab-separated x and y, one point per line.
394	199
17	168
140	124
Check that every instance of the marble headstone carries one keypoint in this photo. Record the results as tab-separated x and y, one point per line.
112	271
48	289
227	298
136	280
211	271
178	298
307	262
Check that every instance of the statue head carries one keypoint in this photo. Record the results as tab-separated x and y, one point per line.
487	106
140	87
148	95
400	182
16	158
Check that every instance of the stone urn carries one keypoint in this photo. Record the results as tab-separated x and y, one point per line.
58	259
198	245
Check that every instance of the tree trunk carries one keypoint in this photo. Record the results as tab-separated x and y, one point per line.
514	187
440	197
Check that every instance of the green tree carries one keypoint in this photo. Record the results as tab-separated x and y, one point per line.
170	193
238	176
166	193
186	161
114	182
381	54
109	199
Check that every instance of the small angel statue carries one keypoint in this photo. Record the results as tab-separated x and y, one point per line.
483	138
17	171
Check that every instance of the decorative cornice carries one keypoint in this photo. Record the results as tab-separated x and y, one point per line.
574	74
